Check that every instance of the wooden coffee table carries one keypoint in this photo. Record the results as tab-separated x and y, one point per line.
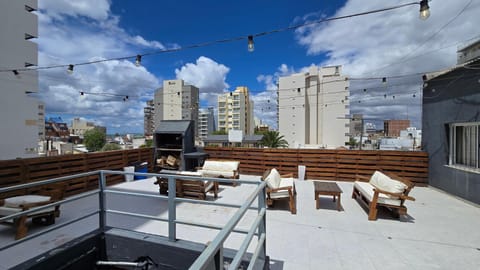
327	189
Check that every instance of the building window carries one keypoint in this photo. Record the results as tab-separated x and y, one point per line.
464	144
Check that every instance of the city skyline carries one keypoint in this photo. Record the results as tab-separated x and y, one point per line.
365	46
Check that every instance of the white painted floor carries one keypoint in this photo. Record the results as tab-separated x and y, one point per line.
440	231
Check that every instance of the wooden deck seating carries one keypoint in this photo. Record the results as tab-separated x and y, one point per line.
383	189
46	195
280	187
220	169
188	188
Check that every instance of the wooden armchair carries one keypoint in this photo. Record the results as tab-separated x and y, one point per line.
383	189
46	195
280	187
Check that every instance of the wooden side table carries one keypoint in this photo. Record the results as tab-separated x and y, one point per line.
327	189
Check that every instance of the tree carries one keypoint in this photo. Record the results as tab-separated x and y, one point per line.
147	144
220	132
273	139
94	139
111	147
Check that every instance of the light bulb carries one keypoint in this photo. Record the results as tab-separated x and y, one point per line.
424	10
70	69
138	60
251	44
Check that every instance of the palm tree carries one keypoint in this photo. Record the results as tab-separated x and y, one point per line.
273	139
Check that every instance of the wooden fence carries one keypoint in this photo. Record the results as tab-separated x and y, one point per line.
20	171
338	165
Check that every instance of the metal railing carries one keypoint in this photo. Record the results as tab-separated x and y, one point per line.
210	258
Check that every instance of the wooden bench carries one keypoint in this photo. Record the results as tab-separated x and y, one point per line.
42	196
383	189
188	188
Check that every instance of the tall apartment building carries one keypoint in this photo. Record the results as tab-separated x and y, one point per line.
176	101
313	108
392	128
235	111
206	122
18	110
41	120
148	121
357	125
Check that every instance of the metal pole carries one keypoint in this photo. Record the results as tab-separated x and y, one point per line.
262	227
172	210
102	202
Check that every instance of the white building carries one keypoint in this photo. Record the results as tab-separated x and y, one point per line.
80	126
176	101
206	122
235	111
409	139
19	112
313	108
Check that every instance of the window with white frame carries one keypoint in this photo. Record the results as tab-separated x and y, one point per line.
464	144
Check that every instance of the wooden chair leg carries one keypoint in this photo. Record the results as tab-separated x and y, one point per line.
372	211
215	189
21	227
293	205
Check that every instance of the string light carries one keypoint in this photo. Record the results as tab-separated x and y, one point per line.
250	37
138	60
70	69
251	44
16	73
424	10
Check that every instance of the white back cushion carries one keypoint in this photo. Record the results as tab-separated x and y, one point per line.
212	165
273	179
386	183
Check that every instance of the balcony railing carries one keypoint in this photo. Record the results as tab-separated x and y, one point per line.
213	253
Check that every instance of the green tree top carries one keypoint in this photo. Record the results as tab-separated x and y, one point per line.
94	139
273	139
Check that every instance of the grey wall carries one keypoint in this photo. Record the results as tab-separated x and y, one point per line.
450	98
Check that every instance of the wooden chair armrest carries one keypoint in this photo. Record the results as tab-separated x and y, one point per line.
2	201
387	193
399	195
278	189
287	175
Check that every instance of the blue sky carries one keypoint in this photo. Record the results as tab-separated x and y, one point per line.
386	44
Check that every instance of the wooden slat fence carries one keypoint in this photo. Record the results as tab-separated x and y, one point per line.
338	165
20	171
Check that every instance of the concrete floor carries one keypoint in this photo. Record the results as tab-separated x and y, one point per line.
440	231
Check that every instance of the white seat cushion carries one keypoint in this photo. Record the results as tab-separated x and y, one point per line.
17	201
386	183
367	190
284	182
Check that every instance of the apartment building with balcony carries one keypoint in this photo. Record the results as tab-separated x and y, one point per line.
313	108
18	109
148	121
176	101
235	111
206	122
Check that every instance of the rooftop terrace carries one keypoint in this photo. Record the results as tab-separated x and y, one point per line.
440	231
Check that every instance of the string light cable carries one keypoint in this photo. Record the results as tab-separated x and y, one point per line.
249	38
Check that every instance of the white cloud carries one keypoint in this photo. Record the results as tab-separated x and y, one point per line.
71	33
94	9
387	44
206	74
